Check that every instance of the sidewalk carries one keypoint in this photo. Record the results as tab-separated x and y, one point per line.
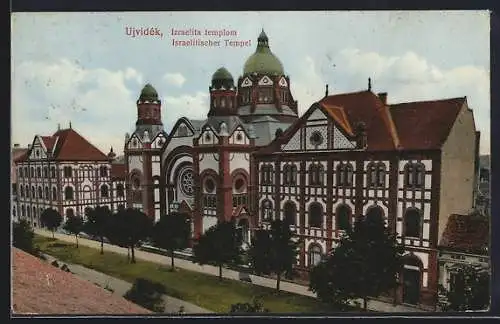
120	287
374	305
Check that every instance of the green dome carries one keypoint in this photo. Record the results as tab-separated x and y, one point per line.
148	93
263	61
222	74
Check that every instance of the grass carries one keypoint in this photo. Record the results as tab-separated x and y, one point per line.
201	289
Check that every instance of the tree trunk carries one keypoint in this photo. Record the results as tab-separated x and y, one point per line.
53	234
220	271
76	236
102	245
365	304
133	255
172	258
128	253
278	279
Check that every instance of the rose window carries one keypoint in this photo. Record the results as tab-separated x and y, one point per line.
187	182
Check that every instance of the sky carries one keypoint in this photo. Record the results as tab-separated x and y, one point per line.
86	67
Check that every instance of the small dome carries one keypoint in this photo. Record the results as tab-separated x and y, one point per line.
263	61
222	74
148	93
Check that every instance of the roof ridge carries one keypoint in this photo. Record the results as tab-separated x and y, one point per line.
425	101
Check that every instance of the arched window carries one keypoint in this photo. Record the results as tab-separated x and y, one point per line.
290	211
34	212
342	217
103	171
68	172
28	212
45	172
344	175
419	175
267	210
54	193
14	211
267	174
27	191
23	211
20	172
32	172
375	214
47	196
68	193
53	172
315	215
381	170
70	212
22	192
104	191
412	223
315	255
39	172
290	174
120	192
40	195
33	195
408	175
316	174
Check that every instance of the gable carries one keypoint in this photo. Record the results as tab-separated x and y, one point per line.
283	82
265	81
37	150
183	130
247	82
208	137
239	136
158	141
134	142
319	131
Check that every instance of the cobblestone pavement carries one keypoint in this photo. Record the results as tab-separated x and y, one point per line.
120	287
373	305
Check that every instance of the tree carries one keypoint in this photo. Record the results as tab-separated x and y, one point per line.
51	219
22	236
255	307
129	226
172	232
274	251
98	222
469	290
219	245
74	225
147	293
365	263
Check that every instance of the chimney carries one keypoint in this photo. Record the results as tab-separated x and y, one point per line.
16	145
383	97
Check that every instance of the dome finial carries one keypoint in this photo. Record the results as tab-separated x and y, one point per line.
369	84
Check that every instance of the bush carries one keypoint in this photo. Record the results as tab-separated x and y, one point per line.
148	294
55	264
65	268
22	236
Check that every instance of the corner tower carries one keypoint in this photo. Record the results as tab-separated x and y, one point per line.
142	154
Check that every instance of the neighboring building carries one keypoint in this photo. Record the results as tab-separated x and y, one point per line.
16	152
350	155
67	173
39	288
483	196
465	241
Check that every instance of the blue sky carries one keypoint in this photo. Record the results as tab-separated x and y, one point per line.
84	68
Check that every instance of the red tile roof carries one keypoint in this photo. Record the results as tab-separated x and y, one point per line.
466	233
71	146
40	288
19	154
367	107
339	115
425	124
49	142
118	171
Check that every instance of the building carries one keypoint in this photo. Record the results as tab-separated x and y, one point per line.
39	288
465	242
65	172
16	152
350	155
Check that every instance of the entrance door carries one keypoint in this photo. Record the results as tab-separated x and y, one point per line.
411	286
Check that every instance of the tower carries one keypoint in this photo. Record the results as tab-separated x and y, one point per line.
142	154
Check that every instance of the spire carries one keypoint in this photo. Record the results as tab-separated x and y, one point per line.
369	84
58	127
326	91
70	124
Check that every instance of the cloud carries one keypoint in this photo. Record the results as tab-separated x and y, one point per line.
175	79
186	105
408	77
49	93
